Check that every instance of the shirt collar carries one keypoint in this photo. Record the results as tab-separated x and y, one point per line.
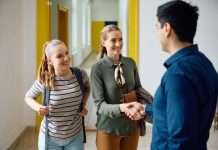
179	54
110	62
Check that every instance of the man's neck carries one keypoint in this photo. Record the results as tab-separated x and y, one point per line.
176	46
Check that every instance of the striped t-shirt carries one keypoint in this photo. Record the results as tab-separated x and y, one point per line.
64	120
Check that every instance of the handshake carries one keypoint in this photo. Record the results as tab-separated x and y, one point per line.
133	110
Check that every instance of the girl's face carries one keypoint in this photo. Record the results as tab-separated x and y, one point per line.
60	58
113	44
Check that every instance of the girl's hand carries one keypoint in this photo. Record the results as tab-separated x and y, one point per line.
43	110
83	112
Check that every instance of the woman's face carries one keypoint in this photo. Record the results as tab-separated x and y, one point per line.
113	44
60	58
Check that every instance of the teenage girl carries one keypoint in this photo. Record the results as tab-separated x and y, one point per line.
63	112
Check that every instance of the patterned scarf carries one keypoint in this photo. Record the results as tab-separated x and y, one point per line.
118	75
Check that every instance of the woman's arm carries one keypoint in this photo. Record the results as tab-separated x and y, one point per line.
98	93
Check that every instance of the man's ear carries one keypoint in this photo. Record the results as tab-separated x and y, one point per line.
167	29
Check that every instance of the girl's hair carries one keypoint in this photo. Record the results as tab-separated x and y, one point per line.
46	72
104	32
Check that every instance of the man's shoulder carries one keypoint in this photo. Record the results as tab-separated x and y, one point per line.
192	67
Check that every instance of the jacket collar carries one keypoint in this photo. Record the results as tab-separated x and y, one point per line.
180	54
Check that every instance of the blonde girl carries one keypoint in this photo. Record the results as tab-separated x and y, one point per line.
65	97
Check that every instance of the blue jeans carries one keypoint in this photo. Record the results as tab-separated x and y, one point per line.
75	143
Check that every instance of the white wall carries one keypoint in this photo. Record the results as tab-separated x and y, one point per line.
105	10
15	26
207	33
151	56
81	46
123	24
29	54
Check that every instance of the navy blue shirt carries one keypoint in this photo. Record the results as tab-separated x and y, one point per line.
185	102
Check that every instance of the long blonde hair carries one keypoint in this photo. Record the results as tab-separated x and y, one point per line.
104	32
46	72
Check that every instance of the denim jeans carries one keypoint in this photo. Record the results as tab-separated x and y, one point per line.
75	143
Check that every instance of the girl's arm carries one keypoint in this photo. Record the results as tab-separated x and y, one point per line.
30	98
42	110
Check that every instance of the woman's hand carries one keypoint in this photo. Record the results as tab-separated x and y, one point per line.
83	112
133	110
43	110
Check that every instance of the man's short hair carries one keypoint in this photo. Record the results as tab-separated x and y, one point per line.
182	17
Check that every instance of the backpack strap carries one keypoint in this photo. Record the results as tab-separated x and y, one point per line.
46	97
78	75
46	103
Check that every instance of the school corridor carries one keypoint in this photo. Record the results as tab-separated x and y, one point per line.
25	25
28	140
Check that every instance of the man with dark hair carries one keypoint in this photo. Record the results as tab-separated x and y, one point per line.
184	104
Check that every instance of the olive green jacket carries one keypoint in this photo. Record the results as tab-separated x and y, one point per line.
107	95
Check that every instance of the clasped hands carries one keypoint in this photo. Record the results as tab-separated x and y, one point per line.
133	110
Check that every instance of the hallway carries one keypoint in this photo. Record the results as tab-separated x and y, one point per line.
28	140
26	25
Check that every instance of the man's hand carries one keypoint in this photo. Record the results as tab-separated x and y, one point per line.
133	110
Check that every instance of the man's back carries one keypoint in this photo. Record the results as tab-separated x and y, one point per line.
185	102
204	78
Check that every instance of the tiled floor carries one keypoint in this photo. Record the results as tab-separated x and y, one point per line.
29	140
